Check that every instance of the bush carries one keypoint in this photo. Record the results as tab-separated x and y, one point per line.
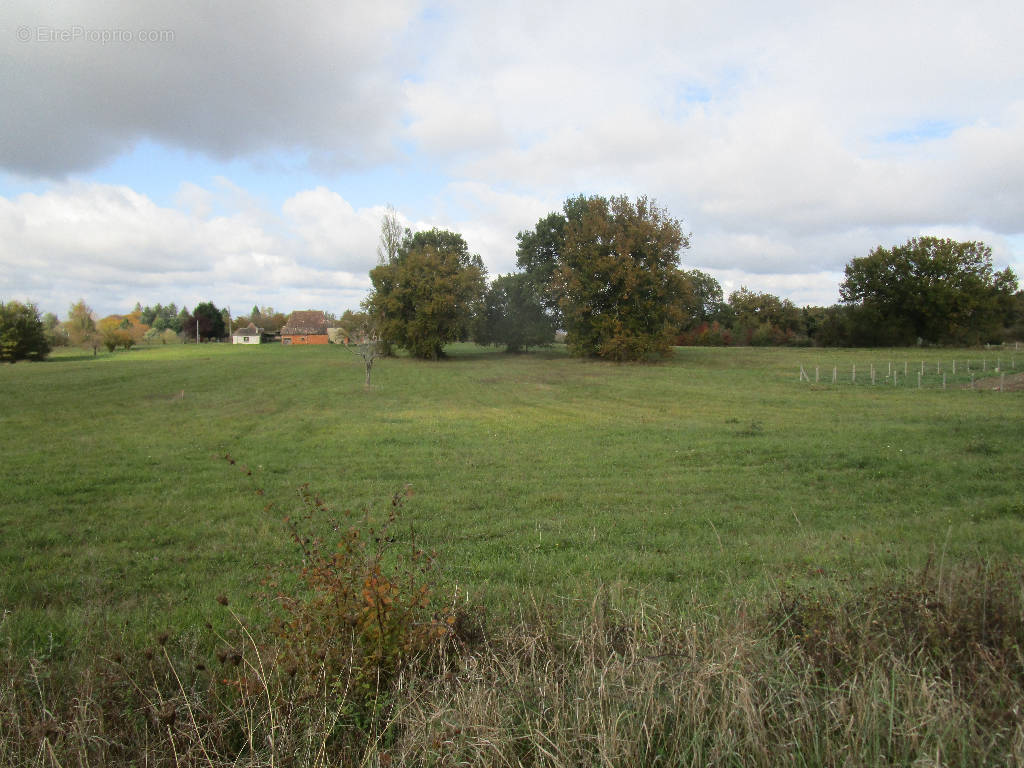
365	611
22	335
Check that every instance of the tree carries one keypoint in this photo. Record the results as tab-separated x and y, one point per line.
22	335
209	319
391	234
762	318
704	304
81	326
361	338
427	296
616	275
513	315
538	256
56	334
113	333
932	290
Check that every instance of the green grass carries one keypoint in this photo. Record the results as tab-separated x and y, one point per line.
714	476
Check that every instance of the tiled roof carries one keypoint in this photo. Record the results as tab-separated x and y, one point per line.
249	330
309	322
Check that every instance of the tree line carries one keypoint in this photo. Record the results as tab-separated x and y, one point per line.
606	273
27	335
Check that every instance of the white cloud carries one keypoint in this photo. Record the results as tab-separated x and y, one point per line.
333	233
114	247
788	137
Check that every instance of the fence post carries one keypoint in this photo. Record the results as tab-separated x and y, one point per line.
918	380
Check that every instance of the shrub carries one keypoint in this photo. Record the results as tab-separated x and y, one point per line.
364	612
22	335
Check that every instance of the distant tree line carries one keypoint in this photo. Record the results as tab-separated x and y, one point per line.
25	335
928	291
606	273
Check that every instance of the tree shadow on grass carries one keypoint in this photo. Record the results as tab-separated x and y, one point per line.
75	358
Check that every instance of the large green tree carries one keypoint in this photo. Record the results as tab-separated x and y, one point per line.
537	257
22	334
763	318
931	289
427	294
513	315
705	302
614	271
211	323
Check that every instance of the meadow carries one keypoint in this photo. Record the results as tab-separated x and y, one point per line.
710	478
711	561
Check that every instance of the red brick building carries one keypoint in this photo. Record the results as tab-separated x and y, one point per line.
307	327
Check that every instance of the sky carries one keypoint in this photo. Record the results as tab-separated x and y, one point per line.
244	151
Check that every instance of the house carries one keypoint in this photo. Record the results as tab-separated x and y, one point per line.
248	335
307	327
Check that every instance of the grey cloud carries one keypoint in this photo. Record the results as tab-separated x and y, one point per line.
231	78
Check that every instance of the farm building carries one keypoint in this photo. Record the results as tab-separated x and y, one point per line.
248	335
307	327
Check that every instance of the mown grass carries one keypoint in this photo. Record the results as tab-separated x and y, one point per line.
706	478
748	537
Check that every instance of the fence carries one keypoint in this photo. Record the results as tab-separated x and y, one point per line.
967	373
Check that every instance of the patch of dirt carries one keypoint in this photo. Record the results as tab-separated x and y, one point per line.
1011	383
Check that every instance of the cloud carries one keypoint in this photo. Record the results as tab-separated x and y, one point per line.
229	79
334	234
761	127
788	137
114	247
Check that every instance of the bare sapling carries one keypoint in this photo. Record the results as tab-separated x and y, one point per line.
365	343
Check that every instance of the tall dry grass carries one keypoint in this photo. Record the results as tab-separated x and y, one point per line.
927	671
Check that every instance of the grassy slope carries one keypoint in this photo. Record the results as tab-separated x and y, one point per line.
710	476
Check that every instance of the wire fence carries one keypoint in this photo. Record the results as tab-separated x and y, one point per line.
989	373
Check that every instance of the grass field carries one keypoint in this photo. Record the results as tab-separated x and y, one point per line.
705	562
713	476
